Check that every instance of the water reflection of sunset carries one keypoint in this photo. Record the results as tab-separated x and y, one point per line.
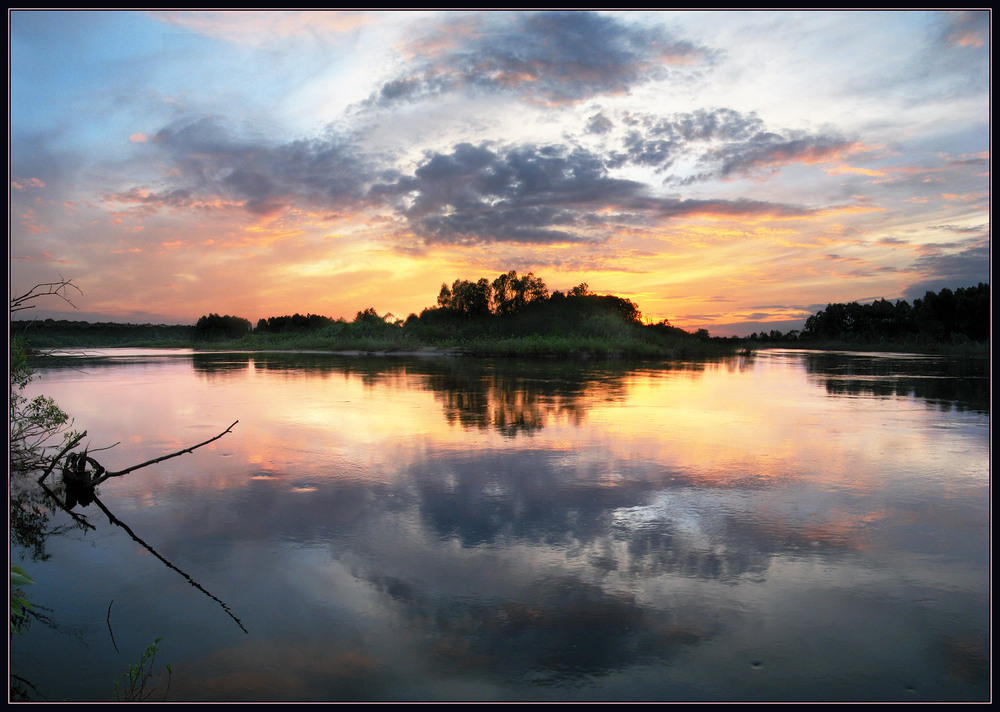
543	521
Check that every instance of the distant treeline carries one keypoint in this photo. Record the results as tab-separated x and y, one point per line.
517	314
941	317
52	333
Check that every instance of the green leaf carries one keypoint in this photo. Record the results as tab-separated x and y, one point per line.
18	577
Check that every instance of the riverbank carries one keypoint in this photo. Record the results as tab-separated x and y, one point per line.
613	340
530	346
527	346
963	348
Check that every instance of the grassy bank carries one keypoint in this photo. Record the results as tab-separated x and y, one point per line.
618	345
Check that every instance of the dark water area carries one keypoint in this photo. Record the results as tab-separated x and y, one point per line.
788	526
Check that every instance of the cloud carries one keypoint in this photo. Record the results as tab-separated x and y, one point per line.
939	269
211	167
599	124
721	143
772	150
544	57
967	29
24	185
472	194
537	194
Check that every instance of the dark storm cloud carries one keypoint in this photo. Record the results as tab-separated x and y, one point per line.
534	194
209	163
953	270
723	142
549	57
474	194
526	194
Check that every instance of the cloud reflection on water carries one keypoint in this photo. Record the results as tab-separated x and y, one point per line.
400	528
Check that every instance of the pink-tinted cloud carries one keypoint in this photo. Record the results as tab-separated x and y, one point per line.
255	27
25	184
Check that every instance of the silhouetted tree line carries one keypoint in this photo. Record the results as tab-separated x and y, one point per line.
510	294
294	323
510	314
48	333
216	328
939	317
506	295
510	303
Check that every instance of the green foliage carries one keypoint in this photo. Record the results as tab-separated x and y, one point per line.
139	675
19	603
33	422
38	429
368	316
511	294
467	298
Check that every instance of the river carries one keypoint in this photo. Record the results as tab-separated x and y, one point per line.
791	525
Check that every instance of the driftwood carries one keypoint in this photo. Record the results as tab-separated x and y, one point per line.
82	473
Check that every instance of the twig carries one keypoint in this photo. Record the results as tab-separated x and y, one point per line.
106	447
108	619
58	289
101	478
18	678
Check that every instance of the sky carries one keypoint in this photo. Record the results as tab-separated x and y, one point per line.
732	171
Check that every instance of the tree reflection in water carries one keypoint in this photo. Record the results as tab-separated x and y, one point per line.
948	382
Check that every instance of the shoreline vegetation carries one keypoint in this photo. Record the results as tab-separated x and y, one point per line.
516	316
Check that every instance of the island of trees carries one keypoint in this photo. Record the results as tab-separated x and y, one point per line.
509	315
517	315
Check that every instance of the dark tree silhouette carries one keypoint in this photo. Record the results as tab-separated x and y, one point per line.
216	328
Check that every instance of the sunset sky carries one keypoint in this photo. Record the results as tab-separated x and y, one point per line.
724	170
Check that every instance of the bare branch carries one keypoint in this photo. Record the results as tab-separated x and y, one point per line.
58	289
101	478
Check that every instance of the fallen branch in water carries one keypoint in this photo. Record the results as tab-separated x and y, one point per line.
76	473
81	481
104	475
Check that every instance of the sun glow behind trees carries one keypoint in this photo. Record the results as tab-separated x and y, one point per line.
651	155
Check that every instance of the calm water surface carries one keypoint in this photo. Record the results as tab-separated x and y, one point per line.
789	526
